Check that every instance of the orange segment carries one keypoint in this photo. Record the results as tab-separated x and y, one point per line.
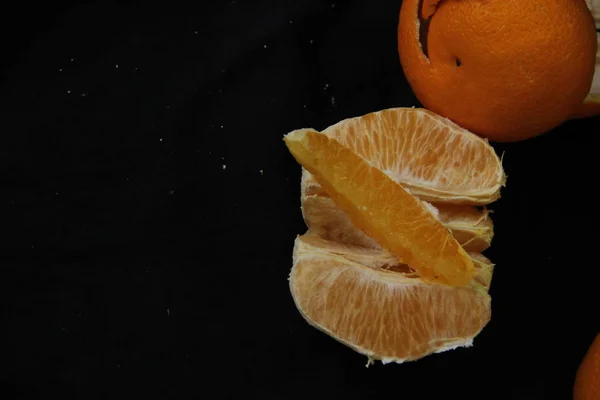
383	313
435	159
383	209
587	381
471	227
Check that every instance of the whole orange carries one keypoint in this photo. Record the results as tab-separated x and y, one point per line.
587	381
507	70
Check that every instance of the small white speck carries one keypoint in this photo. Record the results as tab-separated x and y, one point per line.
304	106
333	6
168	313
56	193
68	92
223	158
261	172
224	166
333	101
265	46
127	178
117	66
171	192
311	41
210	153
72	59
221	126
326	86
60	70
291	22
195	32
220	90
135	69
83	94
160	140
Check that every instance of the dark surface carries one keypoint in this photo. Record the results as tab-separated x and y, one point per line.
134	264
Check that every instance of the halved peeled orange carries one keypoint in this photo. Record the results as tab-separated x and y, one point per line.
367	300
382	269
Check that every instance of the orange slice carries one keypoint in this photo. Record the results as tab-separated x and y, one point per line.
382	208
362	298
437	160
470	226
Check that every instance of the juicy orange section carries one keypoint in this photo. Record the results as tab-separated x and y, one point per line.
383	209
385	315
436	159
471	227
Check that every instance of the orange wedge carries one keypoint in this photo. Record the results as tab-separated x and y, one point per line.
470	226
366	300
437	160
382	208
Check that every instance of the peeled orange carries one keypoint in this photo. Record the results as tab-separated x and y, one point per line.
365	273
504	69
364	299
383	209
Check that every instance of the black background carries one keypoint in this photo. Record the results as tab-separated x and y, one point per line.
134	264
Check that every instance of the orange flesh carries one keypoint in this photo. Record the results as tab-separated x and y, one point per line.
383	209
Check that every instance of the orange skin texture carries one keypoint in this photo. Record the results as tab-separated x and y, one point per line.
525	66
587	381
